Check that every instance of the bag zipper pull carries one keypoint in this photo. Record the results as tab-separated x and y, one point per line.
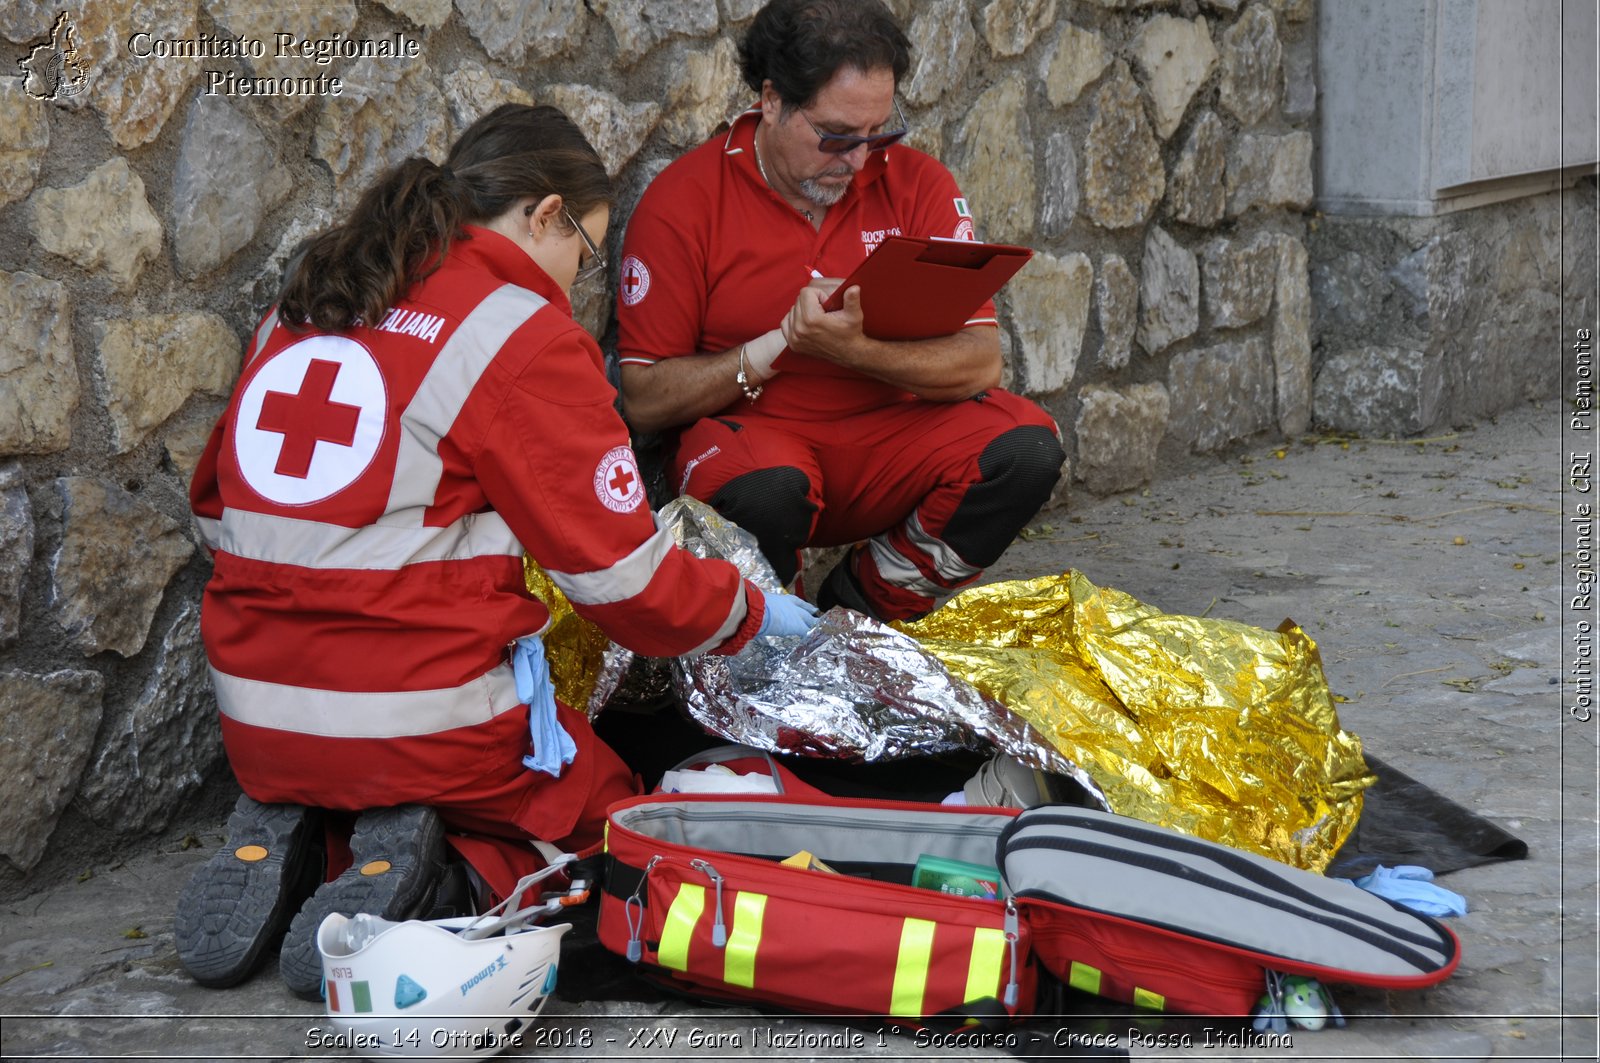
1011	932
719	931
633	912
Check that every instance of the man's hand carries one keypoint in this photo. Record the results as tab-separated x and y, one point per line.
833	336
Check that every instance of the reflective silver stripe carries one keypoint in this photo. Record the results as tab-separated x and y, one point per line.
895	569
263	331
343	714
310	544
946	561
210	530
621	581
736	616
443	392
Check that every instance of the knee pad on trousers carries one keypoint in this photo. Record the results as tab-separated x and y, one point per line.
774	506
1018	470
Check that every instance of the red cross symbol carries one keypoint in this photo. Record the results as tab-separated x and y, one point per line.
621	480
308	418
631	280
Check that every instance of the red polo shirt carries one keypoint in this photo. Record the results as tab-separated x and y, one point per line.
714	257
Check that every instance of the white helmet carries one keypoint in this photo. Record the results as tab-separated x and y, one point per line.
463	987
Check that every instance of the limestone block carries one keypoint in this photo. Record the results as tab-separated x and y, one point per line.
1058	200
593	302
38	369
1269	171
1049	303
1123	176
1252	66
1295	10
1222	393
1380	391
1118	435
152	365
1176	56
16	550
388	112
1238	279
226	180
942	45
161	745
514	30
184	438
1117	293
616	129
135	96
430	14
24	139
27	21
706	92
739	10
994	162
1169	292
117	555
1197	194
640	27
1079	56
471	92
259	21
1291	337
1299	81
47	727
104	222
1227	6
1011	26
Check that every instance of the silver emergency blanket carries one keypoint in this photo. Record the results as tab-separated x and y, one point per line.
851	688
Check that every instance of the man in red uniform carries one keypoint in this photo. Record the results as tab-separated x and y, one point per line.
784	417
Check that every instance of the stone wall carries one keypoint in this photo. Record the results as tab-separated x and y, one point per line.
1156	152
1422	323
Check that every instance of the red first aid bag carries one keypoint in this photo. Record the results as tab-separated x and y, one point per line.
696	894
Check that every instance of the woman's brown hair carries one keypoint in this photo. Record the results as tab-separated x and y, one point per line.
402	227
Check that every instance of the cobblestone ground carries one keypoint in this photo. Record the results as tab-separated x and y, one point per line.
1430	574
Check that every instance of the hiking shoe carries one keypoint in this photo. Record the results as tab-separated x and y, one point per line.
238	903
397	859
1006	783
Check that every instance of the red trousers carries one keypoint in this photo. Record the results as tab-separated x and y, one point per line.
900	476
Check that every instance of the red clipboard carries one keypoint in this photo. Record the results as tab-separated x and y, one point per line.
914	288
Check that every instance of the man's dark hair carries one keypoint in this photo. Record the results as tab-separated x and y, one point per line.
799	45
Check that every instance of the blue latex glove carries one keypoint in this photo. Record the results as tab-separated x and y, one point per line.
553	748
787	614
1412	887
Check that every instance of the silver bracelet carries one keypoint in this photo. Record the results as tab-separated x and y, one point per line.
750	392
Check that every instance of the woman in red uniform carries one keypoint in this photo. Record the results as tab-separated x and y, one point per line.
417	412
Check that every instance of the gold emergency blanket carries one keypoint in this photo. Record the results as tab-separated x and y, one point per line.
1214	728
578	652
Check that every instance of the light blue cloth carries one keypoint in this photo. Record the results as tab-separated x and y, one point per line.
1412	887
553	748
786	614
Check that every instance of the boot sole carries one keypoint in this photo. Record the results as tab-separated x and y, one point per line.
410	839
233	908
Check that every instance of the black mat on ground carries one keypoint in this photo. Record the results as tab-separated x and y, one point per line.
1404	821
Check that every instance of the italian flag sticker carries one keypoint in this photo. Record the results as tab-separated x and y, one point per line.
349	996
962	210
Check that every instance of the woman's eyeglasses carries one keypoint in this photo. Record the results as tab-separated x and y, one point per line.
843	143
597	262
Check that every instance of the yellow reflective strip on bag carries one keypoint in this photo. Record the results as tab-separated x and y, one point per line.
687	907
983	969
1084	977
911	968
739	966
1146	999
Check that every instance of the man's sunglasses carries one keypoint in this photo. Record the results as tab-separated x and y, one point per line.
842	143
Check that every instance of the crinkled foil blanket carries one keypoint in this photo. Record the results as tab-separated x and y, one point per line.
1215	728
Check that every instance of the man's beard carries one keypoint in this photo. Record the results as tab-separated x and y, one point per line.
826	195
